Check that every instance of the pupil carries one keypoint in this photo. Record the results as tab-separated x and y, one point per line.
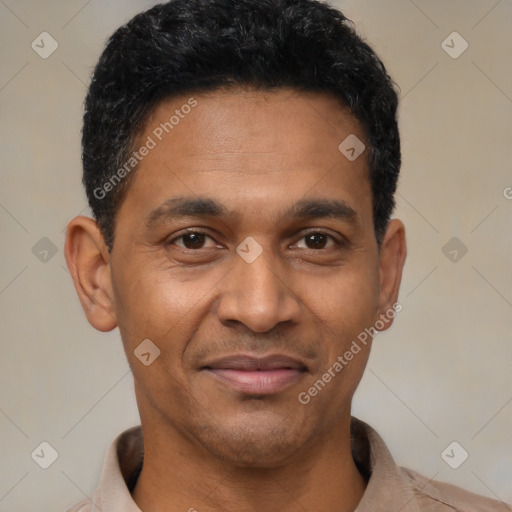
196	239
316	235
317	240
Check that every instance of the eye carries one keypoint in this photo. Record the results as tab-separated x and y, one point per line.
318	240
196	239
191	240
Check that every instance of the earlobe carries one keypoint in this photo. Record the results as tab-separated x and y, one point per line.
393	253
88	262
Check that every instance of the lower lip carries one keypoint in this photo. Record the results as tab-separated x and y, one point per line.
261	382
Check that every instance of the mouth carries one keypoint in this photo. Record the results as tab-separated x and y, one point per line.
255	375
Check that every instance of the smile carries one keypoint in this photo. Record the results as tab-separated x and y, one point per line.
254	375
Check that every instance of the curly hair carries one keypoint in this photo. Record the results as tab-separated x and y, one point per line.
185	46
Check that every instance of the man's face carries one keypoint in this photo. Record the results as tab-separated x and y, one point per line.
315	286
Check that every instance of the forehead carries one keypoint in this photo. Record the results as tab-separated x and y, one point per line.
250	148
225	121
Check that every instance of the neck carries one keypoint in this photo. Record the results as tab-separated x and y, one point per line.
178	476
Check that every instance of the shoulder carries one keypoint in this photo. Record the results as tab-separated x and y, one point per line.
436	496
82	506
92	504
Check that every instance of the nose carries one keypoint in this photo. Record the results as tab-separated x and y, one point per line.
258	295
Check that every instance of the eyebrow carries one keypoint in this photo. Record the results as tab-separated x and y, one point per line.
176	208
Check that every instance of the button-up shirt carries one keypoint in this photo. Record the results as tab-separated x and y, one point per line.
390	488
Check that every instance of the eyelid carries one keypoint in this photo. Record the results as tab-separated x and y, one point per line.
186	231
339	240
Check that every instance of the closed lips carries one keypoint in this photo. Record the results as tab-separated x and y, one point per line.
254	363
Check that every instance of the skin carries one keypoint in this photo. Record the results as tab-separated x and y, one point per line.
207	446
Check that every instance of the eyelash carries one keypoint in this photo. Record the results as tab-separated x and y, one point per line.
338	243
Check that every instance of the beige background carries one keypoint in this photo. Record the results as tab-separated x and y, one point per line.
442	373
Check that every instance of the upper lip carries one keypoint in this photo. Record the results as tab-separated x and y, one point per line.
254	362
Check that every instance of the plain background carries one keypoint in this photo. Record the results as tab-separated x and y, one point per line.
441	374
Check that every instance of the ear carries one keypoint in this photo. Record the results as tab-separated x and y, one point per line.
89	264
393	252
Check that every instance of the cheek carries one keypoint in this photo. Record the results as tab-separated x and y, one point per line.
344	311
154	303
346	302
165	312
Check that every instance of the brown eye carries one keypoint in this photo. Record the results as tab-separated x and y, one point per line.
317	240
191	240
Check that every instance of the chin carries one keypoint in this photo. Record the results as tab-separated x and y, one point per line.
254	445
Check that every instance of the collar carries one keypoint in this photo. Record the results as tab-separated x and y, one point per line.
387	486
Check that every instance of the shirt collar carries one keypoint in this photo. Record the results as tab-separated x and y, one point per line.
387	488
118	477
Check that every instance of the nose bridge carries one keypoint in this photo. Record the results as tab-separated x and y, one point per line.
256	293
261	278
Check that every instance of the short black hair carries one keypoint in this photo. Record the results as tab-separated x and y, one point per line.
185	46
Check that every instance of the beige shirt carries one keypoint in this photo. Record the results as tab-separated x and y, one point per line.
390	488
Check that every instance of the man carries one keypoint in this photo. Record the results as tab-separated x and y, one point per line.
241	159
